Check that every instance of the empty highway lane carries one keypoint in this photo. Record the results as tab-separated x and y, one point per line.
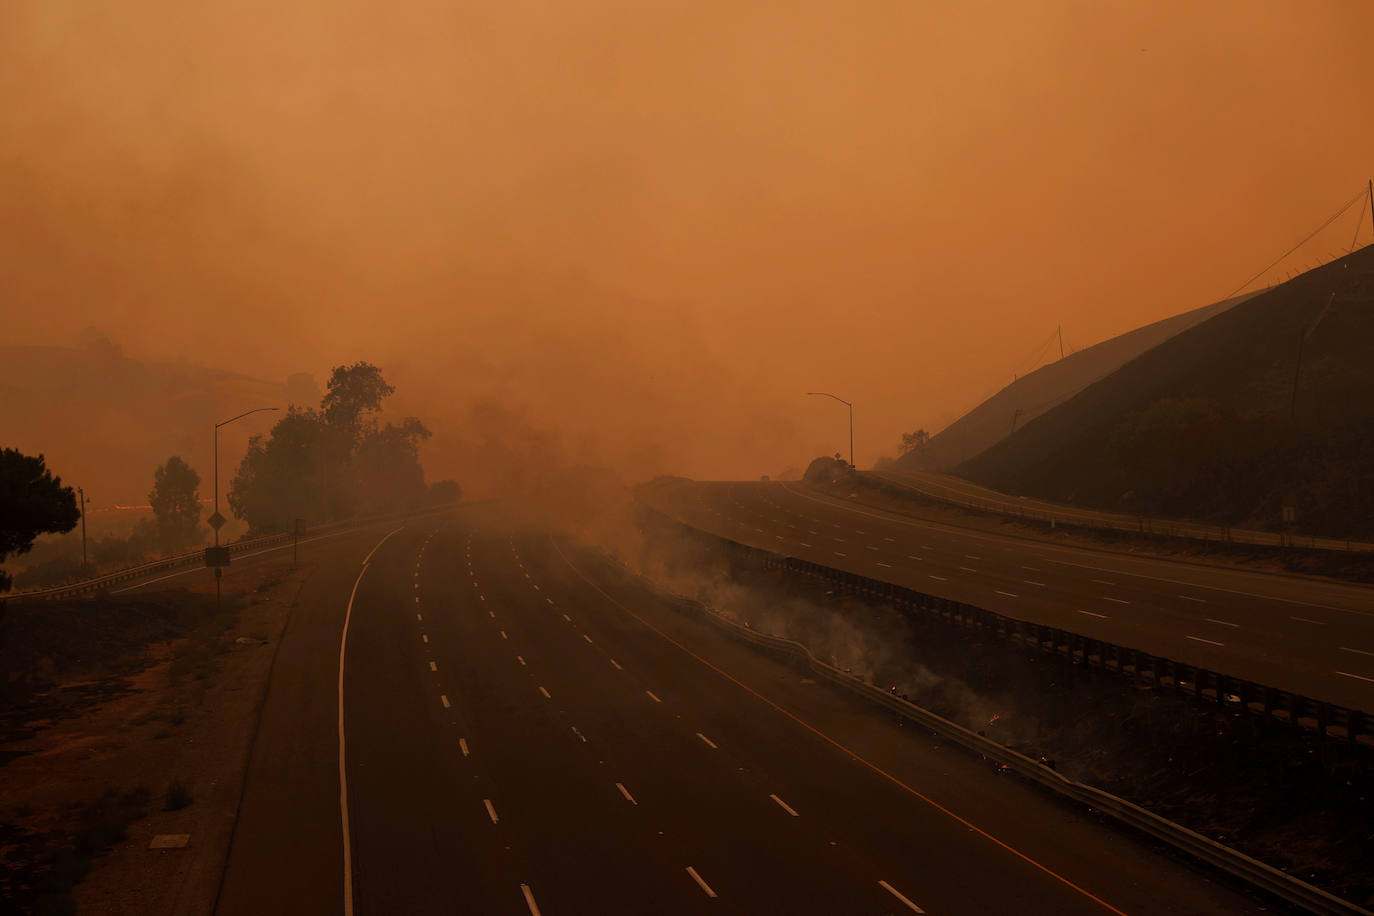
511	725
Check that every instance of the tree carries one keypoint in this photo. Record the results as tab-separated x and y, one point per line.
387	465
32	502
443	492
176	504
914	442
353	392
288	475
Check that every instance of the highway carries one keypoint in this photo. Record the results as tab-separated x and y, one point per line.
464	716
1310	636
956	490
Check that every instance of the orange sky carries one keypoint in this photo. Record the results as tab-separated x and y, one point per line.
652	227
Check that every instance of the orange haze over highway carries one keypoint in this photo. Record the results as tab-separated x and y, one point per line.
648	229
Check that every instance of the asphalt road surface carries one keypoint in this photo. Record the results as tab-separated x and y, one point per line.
463	718
1307	635
966	493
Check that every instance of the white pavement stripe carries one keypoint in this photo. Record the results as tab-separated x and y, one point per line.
1091	614
697	878
1357	651
803	543
433	667
1319	623
838	554
503	635
968	569
549	600
1191	598
870	547
1103	582
938	578
1009	595
617	665
425	637
491	812
520	659
529	899
463	746
898	894
1031	568
1224	623
545	693
443	698
784	805
1114	600
1358	677
1210	642
885	565
1030	582
626	792
586	637
708	741
653	697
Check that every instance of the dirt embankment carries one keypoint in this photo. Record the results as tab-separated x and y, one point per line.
123	718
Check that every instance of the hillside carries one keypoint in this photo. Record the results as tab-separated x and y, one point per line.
1200	425
60	401
1038	391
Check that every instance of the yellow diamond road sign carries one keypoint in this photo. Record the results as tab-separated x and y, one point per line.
216	521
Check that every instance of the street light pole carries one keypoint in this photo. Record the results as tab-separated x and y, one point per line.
81	494
217	520
848	404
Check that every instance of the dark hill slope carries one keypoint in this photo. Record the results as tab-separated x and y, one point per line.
1200	426
1038	391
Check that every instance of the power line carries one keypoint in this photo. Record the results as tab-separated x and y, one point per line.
1309	238
1359	223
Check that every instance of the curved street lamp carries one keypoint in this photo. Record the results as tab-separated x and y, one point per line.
217	426
848	404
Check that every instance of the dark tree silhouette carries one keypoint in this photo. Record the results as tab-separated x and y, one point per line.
32	502
353	392
176	505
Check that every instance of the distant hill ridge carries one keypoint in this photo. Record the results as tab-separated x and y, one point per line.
1036	392
1206	423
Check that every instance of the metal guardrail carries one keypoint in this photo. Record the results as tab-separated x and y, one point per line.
1192	530
1256	873
1216	689
192	558
1266	877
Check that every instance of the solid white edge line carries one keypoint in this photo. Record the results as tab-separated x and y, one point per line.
1212	642
1358	677
700	883
784	805
491	812
626	792
343	769
1356	651
529	899
898	894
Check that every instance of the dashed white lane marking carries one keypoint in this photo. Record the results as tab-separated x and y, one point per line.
784	805
1008	595
1116	600
433	667
617	665
578	734
870	547
1103	582
1031	568
938	578
838	554
587	638
545	693
898	894
1191	598
885	565
969	556
653	696
1091	614
491	614
536	588
491	812
463	746
520	659
838	540
708	741
417	599
967	569
503	635
443	698
803	543
1031	582
419	618
483	597
702	884
890	540
529	899
1210	642
425	637
1224	623
567	618
549	600
910	557
626	792
1356	651
1358	677
1319	623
